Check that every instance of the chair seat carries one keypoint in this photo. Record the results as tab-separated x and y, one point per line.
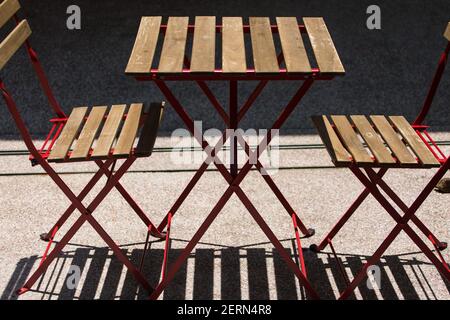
377	141
102	133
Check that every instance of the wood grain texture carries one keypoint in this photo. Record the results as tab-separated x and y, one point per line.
324	50
204	45
293	47
109	131
172	55
233	46
350	139
447	32
13	41
129	131
415	142
7	9
141	57
88	133
392	139
150	129
264	55
68	134
337	151
373	140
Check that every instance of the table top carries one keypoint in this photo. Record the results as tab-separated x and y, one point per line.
162	50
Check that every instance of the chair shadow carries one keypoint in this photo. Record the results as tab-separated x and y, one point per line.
263	271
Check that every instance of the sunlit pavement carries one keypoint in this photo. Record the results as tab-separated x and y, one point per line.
235	259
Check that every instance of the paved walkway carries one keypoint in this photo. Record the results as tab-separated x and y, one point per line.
234	260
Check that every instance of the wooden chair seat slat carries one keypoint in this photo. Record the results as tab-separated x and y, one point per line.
109	131
375	143
350	139
68	134
334	146
88	133
414	141
129	131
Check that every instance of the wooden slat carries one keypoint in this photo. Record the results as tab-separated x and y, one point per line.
172	55
351	140
414	141
233	46
129	131
109	131
141	57
88	133
264	55
204	45
326	55
13	41
68	134
392	139
373	140
447	32
150	130
337	151
292	44
7	9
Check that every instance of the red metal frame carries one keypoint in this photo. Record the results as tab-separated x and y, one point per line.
234	175
40	156
373	182
246	28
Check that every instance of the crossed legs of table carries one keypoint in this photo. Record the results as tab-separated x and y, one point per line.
234	177
86	215
373	182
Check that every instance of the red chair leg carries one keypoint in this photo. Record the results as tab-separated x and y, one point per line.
71	208
141	214
422	227
86	216
402	224
104	171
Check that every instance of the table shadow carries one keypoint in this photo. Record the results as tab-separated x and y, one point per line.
249	272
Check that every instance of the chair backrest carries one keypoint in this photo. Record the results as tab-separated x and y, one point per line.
17	37
447	32
436	80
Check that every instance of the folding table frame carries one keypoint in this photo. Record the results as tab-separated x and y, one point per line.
175	65
72	139
391	142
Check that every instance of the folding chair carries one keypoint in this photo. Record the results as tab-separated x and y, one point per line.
99	135
389	142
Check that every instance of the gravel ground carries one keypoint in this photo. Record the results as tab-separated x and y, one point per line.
234	259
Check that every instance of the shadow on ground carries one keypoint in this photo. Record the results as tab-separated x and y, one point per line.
323	272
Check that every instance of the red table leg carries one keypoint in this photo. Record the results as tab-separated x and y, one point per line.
234	178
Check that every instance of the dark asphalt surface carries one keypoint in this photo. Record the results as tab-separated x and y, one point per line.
388	70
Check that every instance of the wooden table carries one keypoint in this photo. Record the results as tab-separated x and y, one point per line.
159	55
